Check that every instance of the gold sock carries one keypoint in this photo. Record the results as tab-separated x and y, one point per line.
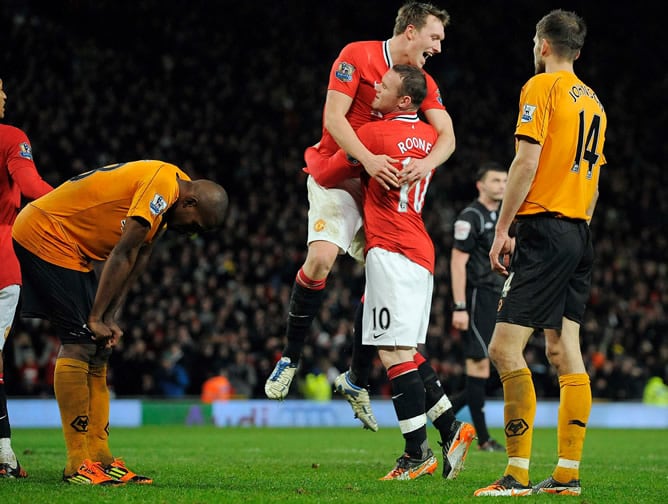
519	413
98	428
574	410
70	383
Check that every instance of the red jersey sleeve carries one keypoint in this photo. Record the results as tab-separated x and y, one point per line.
330	171
22	167
433	100
344	76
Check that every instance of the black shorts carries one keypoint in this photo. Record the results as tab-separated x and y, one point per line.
62	296
482	305
550	273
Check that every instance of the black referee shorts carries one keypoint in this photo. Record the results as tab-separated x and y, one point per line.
550	273
62	296
482	305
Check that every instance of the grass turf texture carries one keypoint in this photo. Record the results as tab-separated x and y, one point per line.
211	465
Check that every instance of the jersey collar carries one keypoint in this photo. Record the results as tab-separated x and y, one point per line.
386	54
402	116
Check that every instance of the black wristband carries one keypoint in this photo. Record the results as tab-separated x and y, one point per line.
459	306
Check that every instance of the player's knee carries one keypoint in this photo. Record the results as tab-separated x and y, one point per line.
502	359
494	352
320	260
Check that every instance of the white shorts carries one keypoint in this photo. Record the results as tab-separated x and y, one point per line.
335	216
9	299
397	300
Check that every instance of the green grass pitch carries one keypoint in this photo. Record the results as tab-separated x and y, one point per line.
211	465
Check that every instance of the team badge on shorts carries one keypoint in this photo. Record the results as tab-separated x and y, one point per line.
344	72
157	205
25	151
319	225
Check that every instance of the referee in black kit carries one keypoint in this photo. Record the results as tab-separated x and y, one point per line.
476	289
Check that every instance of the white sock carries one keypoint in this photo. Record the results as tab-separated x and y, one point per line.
6	453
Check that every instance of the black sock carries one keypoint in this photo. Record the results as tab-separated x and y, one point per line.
434	393
362	355
475	394
408	401
304	306
458	401
5	430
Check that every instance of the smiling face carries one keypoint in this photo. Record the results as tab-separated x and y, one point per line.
425	42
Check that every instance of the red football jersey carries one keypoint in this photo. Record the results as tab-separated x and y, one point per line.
393	219
18	176
355	72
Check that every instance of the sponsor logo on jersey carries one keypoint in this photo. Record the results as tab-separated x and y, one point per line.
25	151
527	113
157	205
344	72
462	229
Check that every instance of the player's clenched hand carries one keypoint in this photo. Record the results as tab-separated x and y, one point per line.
106	333
116	333
381	168
460	320
499	254
100	330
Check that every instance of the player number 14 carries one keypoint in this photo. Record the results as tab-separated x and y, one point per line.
586	149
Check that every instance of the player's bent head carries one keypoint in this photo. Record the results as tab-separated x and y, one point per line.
212	203
413	83
201	206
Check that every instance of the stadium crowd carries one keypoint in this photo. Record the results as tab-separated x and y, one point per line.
236	97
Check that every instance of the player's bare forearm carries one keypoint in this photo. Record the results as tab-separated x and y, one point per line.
458	260
520	177
348	140
380	167
112	283
118	268
335	121
442	149
440	152
113	311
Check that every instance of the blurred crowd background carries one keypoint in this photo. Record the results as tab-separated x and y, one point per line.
233	91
